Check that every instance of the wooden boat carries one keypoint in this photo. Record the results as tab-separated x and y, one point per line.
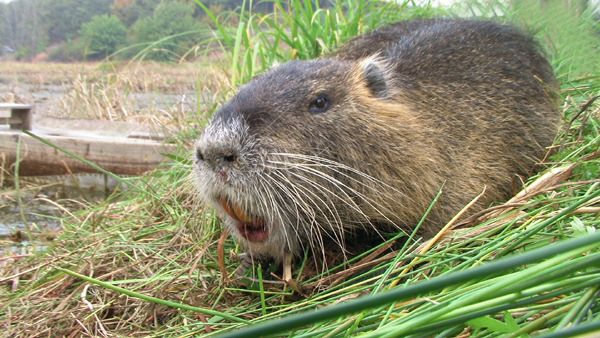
122	148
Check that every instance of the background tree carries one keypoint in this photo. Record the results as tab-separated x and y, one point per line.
103	35
129	11
64	18
22	28
168	33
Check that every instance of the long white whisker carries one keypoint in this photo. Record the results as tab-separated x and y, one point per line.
344	188
336	166
311	205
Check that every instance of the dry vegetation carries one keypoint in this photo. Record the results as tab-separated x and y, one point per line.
150	261
135	91
142	77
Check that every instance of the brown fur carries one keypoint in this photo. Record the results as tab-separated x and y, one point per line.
409	107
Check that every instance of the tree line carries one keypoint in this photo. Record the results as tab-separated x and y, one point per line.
75	30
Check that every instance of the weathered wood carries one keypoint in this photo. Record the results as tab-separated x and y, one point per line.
126	157
112	145
16	115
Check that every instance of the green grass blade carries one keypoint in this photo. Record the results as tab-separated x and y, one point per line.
574	247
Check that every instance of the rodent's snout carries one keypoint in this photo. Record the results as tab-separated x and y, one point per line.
217	159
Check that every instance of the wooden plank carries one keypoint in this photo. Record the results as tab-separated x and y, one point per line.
19	116
8	105
125	156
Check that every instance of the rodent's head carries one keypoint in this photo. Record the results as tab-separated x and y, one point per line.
283	162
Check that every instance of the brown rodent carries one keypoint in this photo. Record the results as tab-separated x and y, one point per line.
363	139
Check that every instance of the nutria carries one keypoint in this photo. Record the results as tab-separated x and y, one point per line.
363	139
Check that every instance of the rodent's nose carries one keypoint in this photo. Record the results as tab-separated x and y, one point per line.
216	159
199	155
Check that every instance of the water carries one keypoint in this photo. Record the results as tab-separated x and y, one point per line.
42	204
31	206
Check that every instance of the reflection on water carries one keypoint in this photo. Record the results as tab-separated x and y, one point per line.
42	205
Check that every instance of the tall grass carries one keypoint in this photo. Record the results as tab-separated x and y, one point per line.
300	29
567	30
150	261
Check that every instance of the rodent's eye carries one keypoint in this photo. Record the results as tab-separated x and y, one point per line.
319	105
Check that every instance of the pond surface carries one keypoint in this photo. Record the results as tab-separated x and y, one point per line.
42	205
38	207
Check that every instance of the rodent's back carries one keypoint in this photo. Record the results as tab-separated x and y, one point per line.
434	49
483	91
366	137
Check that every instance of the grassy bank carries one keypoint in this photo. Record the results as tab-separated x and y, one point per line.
147	76
150	261
118	91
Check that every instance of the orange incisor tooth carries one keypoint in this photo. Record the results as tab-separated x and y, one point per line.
235	211
225	206
241	215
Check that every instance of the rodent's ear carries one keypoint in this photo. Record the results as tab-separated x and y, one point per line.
375	73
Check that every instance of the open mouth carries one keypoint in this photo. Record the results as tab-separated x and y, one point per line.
251	228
